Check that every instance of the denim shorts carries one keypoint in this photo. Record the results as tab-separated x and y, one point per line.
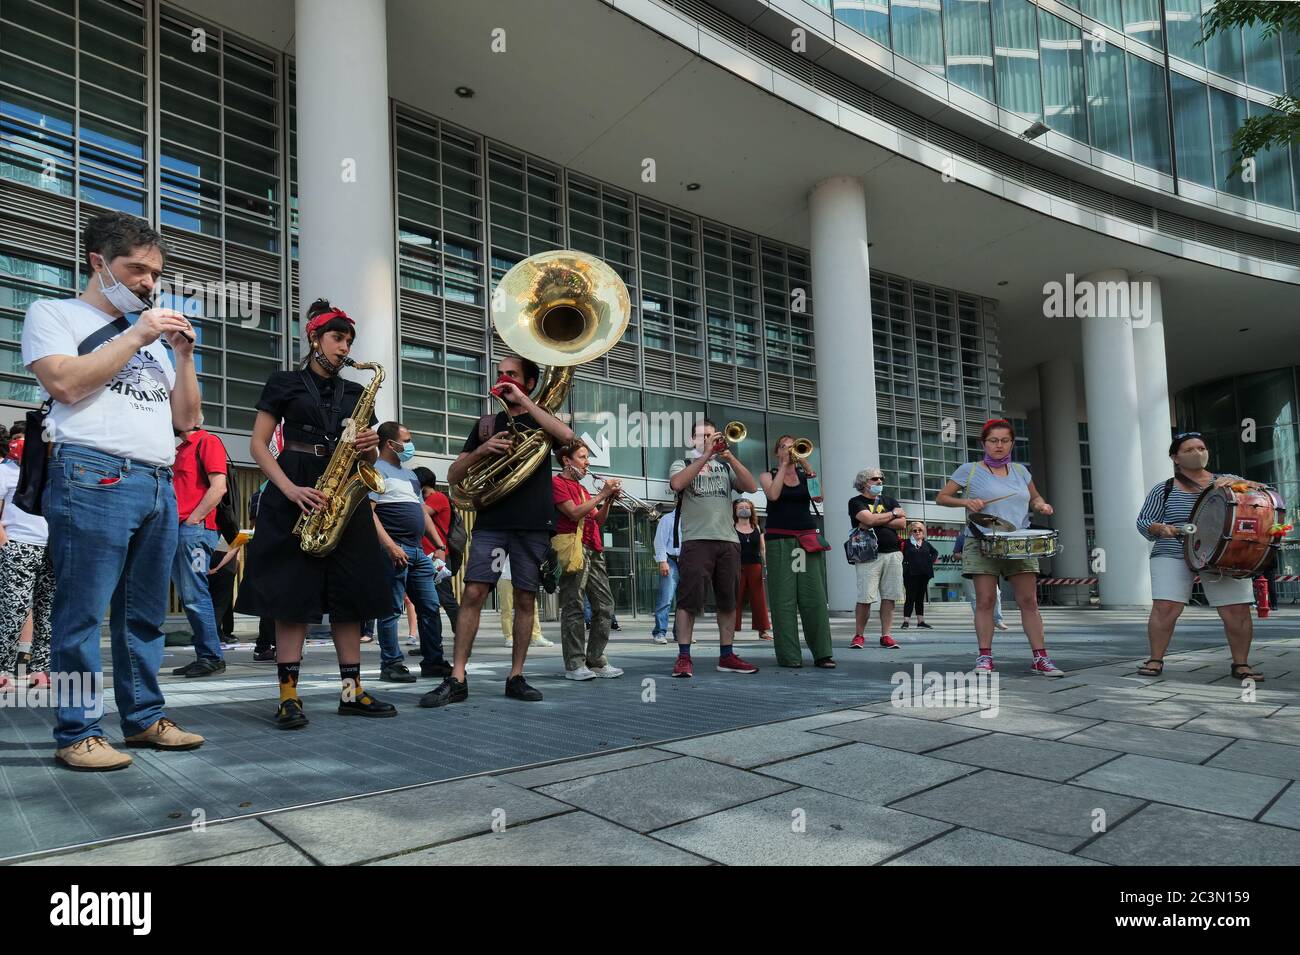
488	551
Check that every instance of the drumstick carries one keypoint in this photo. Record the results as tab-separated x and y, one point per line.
994	500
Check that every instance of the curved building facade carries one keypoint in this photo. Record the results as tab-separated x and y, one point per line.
865	222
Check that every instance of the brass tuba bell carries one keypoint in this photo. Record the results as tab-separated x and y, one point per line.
558	309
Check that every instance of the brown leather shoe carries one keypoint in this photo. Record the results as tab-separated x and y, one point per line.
166	735
92	755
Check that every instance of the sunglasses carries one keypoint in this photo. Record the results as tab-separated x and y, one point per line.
1187	434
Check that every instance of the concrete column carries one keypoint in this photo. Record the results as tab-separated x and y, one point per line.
1114	446
846	387
1057	391
1154	417
345	195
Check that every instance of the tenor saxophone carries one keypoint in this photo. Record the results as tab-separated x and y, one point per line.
347	480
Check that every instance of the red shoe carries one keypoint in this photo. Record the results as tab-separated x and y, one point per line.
858	643
733	664
888	642
683	667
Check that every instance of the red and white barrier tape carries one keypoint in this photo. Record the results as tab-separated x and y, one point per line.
1074	581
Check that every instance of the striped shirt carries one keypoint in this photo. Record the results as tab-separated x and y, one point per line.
1177	510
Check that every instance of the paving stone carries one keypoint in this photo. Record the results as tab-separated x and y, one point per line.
1150	741
1260	758
360	829
1286	811
897	732
1273	729
830	830
826	719
968	847
664	793
173	848
573	838
1025	722
1182	784
868	773
574	768
752	746
1166	715
282	854
888	708
1168	835
1040	758
1053	815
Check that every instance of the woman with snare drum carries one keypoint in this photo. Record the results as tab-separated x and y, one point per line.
1003	489
1164	514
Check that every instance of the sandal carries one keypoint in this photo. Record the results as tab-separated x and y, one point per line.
826	663
1152	667
1249	675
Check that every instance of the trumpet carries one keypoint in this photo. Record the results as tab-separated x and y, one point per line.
734	433
801	451
629	501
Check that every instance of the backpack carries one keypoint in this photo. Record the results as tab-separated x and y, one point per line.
457	537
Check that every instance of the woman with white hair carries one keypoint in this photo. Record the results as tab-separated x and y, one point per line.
879	580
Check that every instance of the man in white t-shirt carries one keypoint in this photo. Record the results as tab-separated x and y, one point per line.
116	397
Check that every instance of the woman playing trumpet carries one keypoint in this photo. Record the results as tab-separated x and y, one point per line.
576	508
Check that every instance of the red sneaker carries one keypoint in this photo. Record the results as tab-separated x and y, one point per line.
683	667
858	643
733	664
888	642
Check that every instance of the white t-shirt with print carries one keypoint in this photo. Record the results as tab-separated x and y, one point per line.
131	416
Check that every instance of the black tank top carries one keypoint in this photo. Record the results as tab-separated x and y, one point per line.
791	511
749	549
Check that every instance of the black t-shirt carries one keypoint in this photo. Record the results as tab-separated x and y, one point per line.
305	400
886	537
531	506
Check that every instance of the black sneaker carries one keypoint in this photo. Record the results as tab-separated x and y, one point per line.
201	668
185	670
440	670
925	626
367	705
397	673
614	625
290	715
264	656
449	690
517	687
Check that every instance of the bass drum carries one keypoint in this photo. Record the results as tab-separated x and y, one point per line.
1233	531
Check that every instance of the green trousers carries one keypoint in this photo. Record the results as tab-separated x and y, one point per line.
796	590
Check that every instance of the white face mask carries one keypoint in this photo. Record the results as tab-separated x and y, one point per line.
744	512
119	296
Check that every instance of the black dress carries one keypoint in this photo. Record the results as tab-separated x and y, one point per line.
351	583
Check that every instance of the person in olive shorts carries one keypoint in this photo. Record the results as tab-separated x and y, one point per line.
997	485
710	550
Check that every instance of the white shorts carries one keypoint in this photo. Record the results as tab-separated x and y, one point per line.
881	579
1172	580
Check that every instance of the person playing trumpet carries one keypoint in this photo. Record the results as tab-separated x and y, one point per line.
577	508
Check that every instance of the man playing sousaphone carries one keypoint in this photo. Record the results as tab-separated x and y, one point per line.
1163	519
518	525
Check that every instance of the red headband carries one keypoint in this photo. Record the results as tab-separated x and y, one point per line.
325	317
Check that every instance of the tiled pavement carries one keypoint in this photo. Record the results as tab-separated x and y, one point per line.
1102	767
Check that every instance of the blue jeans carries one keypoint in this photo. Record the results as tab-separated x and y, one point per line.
112	530
193	559
667	591
415	580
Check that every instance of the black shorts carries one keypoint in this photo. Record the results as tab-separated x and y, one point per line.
702	562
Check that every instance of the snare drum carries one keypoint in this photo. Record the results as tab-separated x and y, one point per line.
1233	534
1020	545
